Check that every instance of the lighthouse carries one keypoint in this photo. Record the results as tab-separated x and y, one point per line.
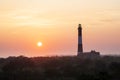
80	45
80	52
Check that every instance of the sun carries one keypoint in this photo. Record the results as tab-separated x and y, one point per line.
39	44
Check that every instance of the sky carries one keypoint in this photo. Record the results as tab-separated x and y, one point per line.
24	23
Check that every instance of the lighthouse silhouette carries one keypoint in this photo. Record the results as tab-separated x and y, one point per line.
80	45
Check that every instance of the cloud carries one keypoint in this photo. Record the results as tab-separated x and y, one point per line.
112	20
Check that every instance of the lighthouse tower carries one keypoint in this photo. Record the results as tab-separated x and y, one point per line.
80	45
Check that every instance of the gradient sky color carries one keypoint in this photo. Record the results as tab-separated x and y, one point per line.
23	23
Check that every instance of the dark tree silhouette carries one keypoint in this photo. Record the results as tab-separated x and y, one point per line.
60	68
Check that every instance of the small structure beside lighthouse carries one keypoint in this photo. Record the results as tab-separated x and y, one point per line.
80	45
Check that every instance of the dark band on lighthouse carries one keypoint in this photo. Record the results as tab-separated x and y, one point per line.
80	46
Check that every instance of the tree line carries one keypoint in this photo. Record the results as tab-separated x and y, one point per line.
60	68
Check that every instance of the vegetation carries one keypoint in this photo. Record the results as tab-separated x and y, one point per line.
60	68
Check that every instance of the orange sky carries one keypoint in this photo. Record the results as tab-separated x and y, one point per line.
23	23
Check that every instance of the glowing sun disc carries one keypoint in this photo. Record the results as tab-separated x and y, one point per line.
39	44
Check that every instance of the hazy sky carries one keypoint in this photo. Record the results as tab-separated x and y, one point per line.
23	23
